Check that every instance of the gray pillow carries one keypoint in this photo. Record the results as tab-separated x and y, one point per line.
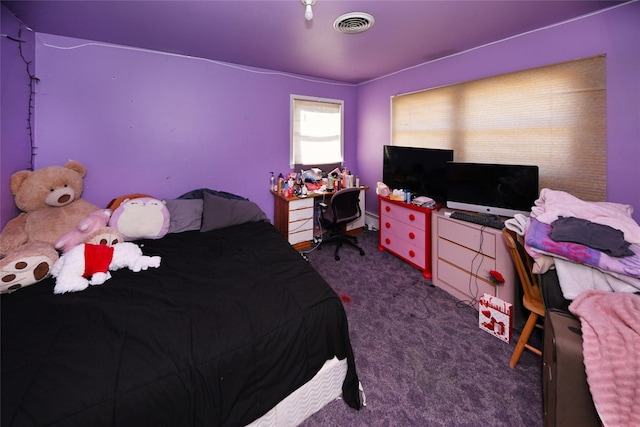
219	212
185	215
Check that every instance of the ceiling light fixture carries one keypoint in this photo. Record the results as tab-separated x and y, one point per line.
308	12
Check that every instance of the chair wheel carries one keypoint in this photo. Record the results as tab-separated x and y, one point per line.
361	252
337	257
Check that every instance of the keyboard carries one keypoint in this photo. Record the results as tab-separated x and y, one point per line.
484	220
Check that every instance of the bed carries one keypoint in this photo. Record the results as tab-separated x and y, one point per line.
232	323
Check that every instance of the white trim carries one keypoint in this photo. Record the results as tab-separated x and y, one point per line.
294	97
372	221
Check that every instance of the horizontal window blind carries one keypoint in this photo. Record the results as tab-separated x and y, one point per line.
316	132
553	117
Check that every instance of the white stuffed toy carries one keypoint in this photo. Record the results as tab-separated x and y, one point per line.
89	264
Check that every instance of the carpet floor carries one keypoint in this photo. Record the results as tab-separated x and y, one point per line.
420	355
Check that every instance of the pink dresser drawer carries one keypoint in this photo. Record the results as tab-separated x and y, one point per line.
403	248
408	216
408	233
459	279
477	264
469	236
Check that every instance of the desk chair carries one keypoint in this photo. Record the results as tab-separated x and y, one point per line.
344	208
532	298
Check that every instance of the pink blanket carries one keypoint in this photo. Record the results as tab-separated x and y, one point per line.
611	345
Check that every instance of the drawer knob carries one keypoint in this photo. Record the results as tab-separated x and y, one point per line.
412	217
412	235
387	208
387	224
387	241
412	253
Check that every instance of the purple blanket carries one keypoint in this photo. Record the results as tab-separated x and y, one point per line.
537	237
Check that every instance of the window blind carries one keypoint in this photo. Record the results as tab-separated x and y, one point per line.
553	117
316	132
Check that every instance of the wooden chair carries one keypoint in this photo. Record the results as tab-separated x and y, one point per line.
532	299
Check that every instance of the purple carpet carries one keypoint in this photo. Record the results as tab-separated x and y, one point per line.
420	355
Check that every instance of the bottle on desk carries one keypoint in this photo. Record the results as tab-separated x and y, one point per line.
280	183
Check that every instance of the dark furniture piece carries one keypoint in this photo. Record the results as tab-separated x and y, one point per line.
567	399
231	323
343	208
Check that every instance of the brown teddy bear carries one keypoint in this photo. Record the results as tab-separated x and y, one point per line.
51	206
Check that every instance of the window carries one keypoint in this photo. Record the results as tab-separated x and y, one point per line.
316	132
553	117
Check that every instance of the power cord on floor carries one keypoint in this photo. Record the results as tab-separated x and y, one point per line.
317	240
473	276
424	301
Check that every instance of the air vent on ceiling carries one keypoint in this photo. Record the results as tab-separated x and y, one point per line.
354	22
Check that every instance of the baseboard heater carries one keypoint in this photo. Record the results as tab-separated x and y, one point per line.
372	221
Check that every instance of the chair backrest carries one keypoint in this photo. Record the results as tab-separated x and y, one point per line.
345	205
524	266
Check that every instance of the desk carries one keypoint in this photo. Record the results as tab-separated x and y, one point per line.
295	217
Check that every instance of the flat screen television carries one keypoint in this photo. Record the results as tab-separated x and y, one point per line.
497	189
419	170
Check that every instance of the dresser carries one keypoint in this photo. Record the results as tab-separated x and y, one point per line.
405	231
463	255
293	217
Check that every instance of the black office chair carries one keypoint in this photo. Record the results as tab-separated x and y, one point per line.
344	208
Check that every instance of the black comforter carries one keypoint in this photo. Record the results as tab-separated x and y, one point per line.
231	322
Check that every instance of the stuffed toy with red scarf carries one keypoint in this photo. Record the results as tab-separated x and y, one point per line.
89	264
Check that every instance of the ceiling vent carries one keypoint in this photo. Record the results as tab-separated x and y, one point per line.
353	23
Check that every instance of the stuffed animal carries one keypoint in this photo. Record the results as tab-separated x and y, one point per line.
89	264
51	205
140	218
86	231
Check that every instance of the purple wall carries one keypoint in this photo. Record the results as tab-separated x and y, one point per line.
15	147
162	124
615	33
165	124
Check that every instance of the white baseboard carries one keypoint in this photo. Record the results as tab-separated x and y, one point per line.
371	221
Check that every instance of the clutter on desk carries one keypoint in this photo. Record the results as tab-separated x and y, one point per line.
312	180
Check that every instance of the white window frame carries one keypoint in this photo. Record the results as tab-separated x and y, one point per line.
296	160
